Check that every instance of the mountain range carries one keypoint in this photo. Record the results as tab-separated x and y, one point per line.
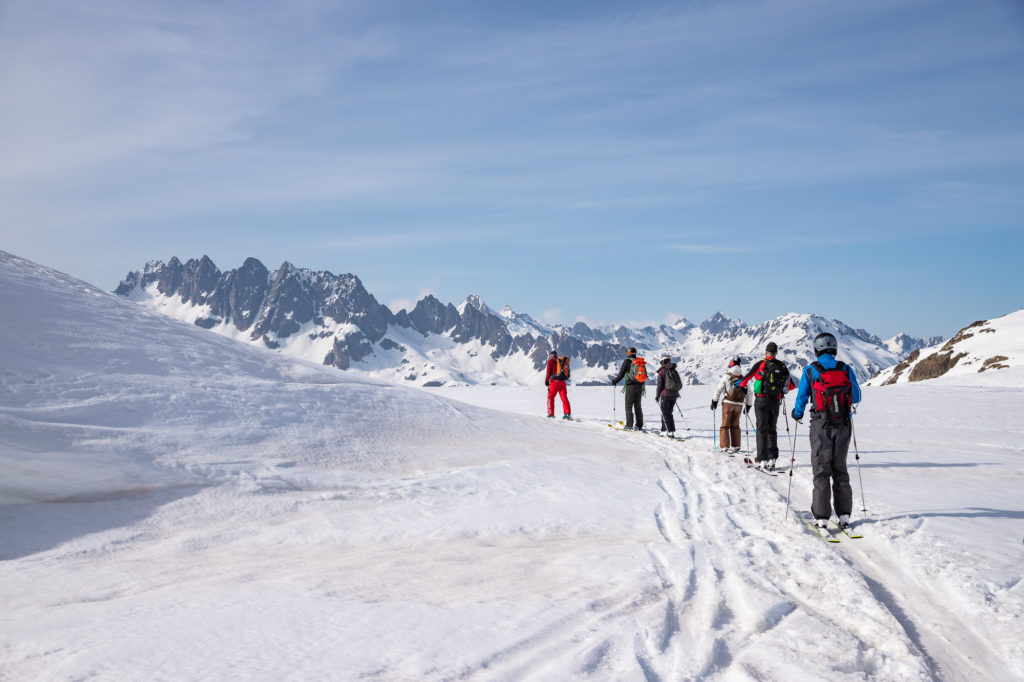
333	319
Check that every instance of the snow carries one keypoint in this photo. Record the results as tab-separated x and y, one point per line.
988	352
177	505
698	350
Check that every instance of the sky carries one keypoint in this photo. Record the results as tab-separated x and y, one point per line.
599	161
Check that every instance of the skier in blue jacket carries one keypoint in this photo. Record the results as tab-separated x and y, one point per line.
830	430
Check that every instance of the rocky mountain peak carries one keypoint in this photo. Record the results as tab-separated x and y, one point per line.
475	302
334	319
719	324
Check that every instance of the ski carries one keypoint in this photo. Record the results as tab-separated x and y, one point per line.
823	533
766	472
648	432
848	531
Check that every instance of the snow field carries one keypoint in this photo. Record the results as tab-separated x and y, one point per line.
180	506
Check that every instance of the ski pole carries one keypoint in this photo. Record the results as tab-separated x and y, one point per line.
714	428
680	411
785	413
856	453
614	418
792	464
747	415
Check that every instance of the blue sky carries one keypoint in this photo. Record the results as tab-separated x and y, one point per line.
599	161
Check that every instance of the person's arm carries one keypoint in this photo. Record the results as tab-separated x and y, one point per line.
855	387
802	395
622	372
752	372
723	387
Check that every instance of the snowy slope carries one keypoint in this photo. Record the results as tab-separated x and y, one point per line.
177	505
985	353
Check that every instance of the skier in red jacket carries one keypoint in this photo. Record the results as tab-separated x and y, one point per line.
555	377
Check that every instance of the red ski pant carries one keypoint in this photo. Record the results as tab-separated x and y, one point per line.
557	387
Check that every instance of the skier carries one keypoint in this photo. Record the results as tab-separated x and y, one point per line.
555	377
771	383
834	389
735	400
635	372
667	393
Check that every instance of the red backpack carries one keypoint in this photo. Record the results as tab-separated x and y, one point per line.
833	393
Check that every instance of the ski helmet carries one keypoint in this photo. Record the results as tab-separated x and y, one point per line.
736	362
825	343
666	360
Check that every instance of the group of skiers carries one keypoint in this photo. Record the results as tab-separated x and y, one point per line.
829	384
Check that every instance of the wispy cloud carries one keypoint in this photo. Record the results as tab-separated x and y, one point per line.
702	248
345	127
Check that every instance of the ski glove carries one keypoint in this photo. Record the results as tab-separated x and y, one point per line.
547	383
714	404
746	410
796	418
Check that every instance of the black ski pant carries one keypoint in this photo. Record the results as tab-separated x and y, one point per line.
766	410
668	420
829	446
634	392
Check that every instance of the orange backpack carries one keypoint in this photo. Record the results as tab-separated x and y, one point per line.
640	371
562	364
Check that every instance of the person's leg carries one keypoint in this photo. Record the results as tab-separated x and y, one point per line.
667	418
821	465
638	407
773	430
762	414
732	419
563	393
842	491
630	401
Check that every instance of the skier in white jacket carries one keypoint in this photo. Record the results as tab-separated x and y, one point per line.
735	400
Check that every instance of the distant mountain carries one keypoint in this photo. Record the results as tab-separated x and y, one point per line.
333	319
903	345
992	346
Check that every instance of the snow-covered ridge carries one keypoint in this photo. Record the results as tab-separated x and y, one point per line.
987	352
332	319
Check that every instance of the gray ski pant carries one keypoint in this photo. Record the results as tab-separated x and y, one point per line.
829	446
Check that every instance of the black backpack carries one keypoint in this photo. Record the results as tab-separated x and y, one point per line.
672	380
774	375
